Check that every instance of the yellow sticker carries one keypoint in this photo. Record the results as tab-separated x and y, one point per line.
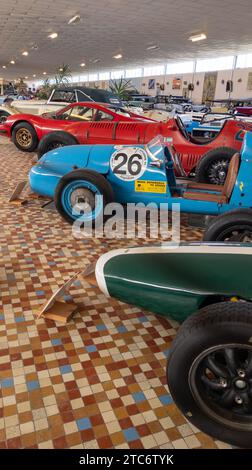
143	186
241	186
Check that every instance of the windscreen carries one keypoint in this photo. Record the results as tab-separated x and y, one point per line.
155	148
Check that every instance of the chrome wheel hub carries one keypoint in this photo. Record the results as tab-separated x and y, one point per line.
241	384
217	172
84	199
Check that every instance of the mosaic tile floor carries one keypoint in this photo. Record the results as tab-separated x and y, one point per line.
97	382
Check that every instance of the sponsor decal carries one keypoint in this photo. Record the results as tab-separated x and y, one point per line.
144	186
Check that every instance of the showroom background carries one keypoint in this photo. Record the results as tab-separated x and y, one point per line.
233	68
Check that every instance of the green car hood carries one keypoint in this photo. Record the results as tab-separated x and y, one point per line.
175	282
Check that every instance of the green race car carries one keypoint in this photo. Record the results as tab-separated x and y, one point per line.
208	288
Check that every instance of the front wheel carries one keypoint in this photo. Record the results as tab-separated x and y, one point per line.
25	137
213	166
83	195
209	371
234	226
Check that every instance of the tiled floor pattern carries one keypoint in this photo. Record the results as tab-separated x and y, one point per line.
97	382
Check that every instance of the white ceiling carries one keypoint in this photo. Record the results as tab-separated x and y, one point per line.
111	26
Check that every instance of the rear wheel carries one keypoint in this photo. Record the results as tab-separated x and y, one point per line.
209	371
55	140
3	116
213	166
25	137
83	195
234	226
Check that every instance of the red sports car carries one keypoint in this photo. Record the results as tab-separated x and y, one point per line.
26	130
87	123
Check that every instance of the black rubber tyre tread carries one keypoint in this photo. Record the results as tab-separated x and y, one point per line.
57	136
212	325
222	221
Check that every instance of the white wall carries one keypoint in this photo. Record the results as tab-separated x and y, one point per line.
141	84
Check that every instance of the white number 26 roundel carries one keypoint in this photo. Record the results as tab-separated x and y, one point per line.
129	163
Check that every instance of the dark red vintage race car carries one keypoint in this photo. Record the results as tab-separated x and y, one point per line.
209	159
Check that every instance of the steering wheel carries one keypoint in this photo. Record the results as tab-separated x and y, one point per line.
182	128
62	117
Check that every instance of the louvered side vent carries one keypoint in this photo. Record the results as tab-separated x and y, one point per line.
101	125
101	132
129	132
190	161
127	126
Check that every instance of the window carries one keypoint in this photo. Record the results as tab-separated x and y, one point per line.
81	96
220	63
104	76
93	77
180	67
75	79
157	70
78	113
64	96
117	74
83	78
102	116
133	73
244	61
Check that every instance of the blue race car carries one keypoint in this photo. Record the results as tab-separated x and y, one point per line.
203	130
76	175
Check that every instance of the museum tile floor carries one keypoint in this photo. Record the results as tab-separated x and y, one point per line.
98	381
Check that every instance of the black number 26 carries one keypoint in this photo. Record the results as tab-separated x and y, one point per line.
133	164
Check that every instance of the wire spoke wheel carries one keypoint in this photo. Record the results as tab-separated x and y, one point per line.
217	171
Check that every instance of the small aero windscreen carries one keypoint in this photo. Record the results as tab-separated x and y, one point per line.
155	148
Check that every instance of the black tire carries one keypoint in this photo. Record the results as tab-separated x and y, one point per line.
55	140
3	116
224	326
29	141
233	226
88	175
213	166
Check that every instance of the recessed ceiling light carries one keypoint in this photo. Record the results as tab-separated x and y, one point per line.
25	53
117	56
53	35
44	73
26	78
82	64
12	62
34	75
74	20
197	37
4	66
152	47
